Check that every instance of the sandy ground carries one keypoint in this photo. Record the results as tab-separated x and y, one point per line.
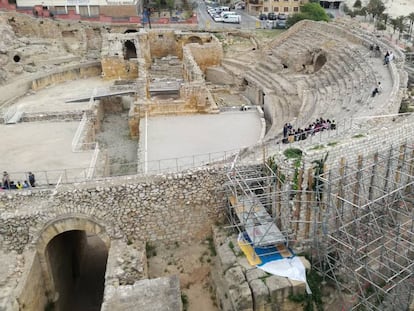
186	141
53	97
192	263
40	147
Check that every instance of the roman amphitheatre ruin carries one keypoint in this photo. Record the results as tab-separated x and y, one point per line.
164	182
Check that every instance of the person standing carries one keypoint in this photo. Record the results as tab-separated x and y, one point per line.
6	180
32	179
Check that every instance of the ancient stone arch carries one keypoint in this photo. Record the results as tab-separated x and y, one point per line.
320	60
61	225
130	50
194	39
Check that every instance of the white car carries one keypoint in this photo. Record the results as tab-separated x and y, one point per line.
217	18
235	19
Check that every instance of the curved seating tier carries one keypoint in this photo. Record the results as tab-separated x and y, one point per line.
340	89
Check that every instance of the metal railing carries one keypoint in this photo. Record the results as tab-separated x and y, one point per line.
79	131
50	178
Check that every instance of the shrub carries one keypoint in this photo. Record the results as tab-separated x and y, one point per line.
293	153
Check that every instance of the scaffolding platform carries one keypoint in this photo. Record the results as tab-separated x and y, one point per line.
257	222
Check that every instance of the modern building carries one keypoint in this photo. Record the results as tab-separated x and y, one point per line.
255	7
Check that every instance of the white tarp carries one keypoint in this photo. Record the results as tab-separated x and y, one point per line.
291	268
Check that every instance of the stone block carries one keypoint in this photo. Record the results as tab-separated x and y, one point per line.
226	256
260	294
234	277
279	288
255	274
241	297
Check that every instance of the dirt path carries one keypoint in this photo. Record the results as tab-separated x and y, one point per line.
193	265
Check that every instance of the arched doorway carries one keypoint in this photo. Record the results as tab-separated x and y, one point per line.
319	62
73	253
129	50
194	39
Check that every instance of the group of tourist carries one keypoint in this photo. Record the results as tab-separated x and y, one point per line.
290	134
8	184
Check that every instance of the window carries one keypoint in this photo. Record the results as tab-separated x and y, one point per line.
83	10
286	9
265	9
276	9
94	10
296	9
60	10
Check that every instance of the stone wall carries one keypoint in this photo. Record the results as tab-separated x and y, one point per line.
243	287
207	54
79	72
176	207
191	70
118	68
18	88
162	43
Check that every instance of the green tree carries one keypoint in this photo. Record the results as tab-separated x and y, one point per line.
375	8
357	4
384	17
170	6
411	19
312	11
398	24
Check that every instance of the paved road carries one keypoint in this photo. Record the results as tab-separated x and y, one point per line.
205	22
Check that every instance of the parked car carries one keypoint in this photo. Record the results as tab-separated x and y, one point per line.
263	16
282	16
217	18
272	16
281	24
235	19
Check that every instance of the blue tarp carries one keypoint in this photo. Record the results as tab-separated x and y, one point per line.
266	254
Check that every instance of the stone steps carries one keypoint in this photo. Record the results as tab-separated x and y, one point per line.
235	66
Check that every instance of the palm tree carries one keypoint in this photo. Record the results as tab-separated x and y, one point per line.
394	23
384	17
400	25
411	19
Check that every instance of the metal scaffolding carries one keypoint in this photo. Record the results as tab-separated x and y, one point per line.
359	218
365	244
251	208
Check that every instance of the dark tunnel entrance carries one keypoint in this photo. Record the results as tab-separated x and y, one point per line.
77	262
129	50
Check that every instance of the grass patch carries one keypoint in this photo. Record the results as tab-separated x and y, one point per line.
293	153
358	136
150	250
318	147
332	143
268	33
184	300
211	246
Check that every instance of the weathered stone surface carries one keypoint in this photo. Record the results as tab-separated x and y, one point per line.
226	256
279	288
241	298
161	294
254	274
260	294
234	277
